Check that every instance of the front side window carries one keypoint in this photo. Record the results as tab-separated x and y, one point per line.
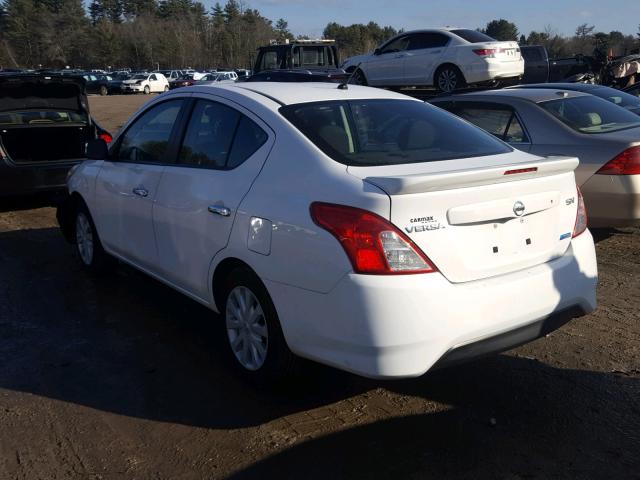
389	132
398	45
147	139
269	60
590	114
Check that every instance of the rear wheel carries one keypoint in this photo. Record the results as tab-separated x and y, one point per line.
103	90
449	78
147	90
88	246
254	337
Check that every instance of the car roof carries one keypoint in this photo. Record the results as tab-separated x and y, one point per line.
286	93
535	95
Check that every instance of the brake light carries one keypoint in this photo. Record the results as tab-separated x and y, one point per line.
485	52
521	170
625	163
581	217
374	246
106	137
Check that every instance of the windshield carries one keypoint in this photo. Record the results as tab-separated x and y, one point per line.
389	132
590	114
473	36
621	99
35	117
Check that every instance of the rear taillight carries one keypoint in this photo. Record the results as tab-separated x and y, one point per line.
106	137
486	52
626	163
581	217
373	245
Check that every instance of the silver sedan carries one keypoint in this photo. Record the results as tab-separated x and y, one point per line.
605	137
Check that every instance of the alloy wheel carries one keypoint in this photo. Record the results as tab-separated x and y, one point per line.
246	328
84	238
447	80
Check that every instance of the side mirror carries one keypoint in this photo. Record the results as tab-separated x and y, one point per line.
97	149
377	51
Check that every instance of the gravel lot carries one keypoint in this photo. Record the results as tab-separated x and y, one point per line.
121	377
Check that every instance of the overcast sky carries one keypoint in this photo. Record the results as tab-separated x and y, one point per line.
309	17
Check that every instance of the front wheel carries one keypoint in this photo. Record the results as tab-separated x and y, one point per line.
166	88
255	340
147	90
103	90
88	246
449	78
358	78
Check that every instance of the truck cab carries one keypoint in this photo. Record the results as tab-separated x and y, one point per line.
298	54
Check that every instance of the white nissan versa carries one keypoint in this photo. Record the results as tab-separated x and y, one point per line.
356	227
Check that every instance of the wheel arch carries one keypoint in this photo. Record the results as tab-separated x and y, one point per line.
222	271
65	214
446	64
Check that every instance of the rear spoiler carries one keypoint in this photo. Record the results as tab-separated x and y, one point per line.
431	182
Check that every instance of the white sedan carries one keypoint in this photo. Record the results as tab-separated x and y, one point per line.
447	58
146	83
356	227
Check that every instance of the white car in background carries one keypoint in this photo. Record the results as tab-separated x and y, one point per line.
146	83
348	226
217	77
447	58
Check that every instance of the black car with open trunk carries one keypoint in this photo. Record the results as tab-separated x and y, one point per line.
45	125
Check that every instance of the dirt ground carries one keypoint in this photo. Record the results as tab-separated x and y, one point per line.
121	377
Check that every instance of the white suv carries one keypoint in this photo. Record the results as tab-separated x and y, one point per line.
348	226
447	58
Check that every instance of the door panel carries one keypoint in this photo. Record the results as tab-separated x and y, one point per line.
387	68
422	56
126	186
222	153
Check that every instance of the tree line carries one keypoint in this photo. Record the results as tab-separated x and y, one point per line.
183	33
585	41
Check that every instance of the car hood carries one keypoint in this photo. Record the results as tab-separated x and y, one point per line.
25	92
353	61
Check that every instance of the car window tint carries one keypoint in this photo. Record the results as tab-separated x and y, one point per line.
472	36
389	132
209	134
419	41
147	139
313	56
493	120
269	60
532	54
249	138
397	45
515	132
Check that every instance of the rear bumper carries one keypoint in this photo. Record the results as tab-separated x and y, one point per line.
493	69
18	179
401	326
612	200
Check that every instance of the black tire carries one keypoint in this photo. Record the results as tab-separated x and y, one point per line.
96	260
166	88
359	78
147	90
278	362
449	78
103	90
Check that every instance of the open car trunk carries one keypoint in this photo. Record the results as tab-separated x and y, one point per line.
43	118
45	143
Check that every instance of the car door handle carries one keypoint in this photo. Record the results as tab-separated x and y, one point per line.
141	191
218	210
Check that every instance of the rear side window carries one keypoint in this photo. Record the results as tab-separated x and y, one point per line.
219	137
389	132
532	54
419	41
147	139
473	36
590	114
501	122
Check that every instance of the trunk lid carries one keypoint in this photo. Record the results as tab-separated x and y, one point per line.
505	51
42	92
482	221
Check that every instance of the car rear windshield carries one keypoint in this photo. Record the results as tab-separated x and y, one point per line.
473	36
621	99
389	132
590	114
36	117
